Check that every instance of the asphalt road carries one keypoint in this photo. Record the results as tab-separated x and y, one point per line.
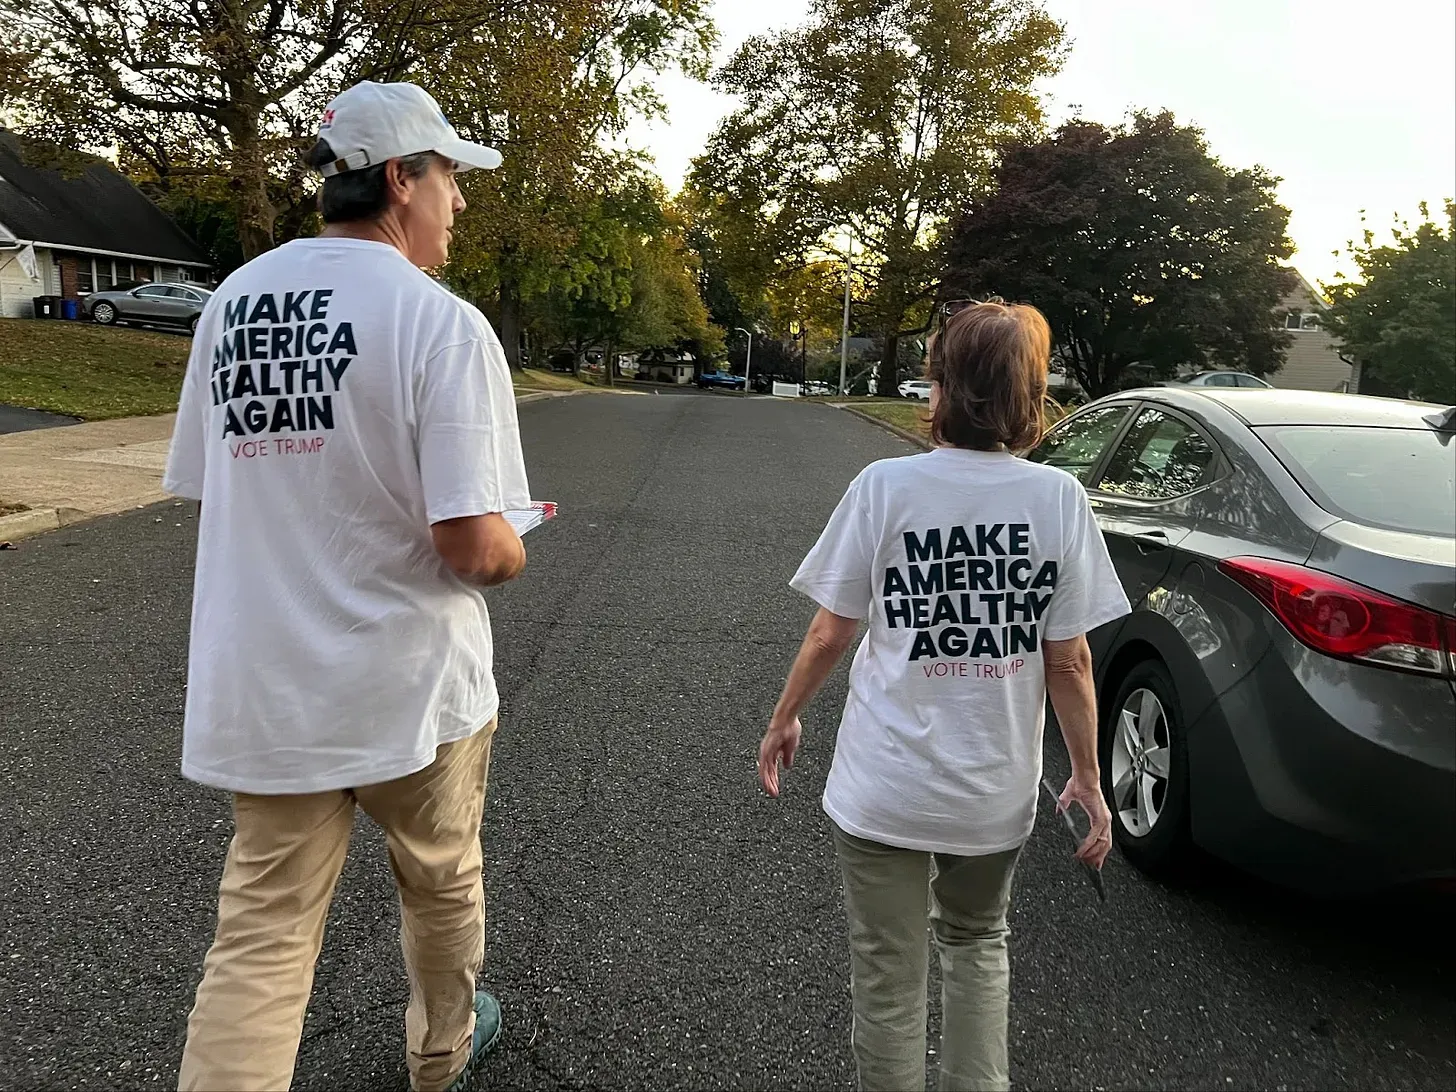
16	419
656	922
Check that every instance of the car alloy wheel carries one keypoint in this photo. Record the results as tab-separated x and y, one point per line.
104	313
1141	762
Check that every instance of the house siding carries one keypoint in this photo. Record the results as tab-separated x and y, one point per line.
17	291
1312	361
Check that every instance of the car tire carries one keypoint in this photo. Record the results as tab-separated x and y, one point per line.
104	313
1142	739
192	325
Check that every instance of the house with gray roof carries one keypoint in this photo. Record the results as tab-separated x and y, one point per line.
72	224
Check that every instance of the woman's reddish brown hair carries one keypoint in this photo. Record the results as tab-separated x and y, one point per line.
990	360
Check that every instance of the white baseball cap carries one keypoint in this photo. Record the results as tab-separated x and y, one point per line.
372	122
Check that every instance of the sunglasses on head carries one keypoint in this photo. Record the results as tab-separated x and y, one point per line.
946	309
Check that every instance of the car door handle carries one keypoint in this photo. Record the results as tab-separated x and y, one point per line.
1152	540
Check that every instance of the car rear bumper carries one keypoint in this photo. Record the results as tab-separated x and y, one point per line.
1328	776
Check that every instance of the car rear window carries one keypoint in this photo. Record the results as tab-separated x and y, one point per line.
1402	479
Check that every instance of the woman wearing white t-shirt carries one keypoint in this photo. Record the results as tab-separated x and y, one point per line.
979	575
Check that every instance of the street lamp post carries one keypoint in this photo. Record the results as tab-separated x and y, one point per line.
748	360
844	330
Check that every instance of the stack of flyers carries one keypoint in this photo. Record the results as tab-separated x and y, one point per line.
526	519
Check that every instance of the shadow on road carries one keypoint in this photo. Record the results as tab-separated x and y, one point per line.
1403	935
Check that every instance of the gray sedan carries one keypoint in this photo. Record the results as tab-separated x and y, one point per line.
152	304
1284	693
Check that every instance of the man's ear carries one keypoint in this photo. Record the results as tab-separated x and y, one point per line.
396	182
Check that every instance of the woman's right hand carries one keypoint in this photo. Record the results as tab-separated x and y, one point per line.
1086	791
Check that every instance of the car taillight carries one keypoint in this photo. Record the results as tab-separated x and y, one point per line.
1342	619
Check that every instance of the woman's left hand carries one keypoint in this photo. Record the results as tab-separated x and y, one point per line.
779	744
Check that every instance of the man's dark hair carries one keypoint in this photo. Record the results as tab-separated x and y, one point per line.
361	194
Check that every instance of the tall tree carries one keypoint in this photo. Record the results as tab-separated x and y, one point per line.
553	84
1142	249
629	282
877	120
211	89
1399	321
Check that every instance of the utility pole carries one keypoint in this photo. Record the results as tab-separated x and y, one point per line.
748	361
844	330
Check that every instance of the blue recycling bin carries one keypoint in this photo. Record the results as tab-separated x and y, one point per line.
71	309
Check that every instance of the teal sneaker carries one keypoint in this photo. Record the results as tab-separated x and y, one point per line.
487	1034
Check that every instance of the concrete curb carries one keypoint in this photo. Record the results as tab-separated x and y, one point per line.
539	396
904	434
40	521
34	521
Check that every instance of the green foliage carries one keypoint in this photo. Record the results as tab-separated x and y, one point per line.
1399	321
210	95
1144	252
629	281
877	120
552	86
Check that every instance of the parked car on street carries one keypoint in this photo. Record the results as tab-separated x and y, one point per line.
1219	379
916	388
1284	693
721	379
153	304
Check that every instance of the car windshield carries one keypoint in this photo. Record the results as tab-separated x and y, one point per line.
1402	479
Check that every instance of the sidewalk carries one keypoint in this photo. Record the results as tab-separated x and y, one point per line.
79	472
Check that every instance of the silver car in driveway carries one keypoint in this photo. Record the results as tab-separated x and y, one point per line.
152	304
1284	693
1220	379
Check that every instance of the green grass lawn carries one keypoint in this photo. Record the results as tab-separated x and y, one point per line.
529	379
89	371
907	415
98	372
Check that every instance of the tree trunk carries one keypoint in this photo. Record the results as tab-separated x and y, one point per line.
255	213
510	320
609	364
889	381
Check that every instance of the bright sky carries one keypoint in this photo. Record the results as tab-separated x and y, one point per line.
1352	105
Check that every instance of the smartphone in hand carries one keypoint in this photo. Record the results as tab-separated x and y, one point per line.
1078	836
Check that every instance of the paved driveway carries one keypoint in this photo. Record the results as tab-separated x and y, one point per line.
655	921
15	419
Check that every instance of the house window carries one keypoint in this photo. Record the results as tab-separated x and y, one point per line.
105	275
85	275
1308	321
1292	320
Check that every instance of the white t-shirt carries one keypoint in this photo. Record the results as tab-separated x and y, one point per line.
963	562
337	403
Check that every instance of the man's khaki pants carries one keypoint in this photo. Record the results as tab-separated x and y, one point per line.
281	869
890	896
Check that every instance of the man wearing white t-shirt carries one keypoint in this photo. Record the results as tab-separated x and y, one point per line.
350	429
979	575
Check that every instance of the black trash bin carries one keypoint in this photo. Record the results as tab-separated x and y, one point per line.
47	306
